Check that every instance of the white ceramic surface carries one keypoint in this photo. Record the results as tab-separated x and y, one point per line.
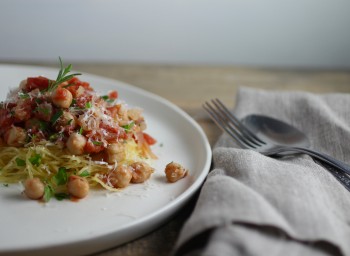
104	219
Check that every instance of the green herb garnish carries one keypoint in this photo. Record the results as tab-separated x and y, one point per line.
23	95
61	176
62	76
107	99
97	143
48	193
88	104
129	126
85	173
20	162
61	196
56	116
35	160
81	130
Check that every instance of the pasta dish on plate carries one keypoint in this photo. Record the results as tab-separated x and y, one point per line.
60	138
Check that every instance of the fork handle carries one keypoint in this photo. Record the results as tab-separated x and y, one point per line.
320	156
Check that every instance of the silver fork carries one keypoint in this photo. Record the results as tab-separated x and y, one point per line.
247	140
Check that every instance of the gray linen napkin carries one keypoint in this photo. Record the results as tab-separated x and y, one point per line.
255	205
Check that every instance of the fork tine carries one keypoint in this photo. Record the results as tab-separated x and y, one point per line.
220	120
237	123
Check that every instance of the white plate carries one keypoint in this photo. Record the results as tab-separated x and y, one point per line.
104	220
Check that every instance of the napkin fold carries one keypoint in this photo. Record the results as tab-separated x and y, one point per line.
251	204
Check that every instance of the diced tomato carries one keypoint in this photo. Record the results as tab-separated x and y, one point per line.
149	139
75	83
39	82
113	95
90	147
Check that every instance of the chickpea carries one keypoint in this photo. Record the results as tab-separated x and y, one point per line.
174	172
121	177
135	114
34	188
78	186
61	97
116	153
141	172
76	143
15	136
67	121
22	111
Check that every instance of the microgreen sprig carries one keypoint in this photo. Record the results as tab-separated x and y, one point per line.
62	76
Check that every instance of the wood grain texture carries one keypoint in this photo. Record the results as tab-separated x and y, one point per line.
189	87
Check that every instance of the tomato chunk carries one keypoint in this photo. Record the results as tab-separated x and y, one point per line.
39	82
113	95
149	139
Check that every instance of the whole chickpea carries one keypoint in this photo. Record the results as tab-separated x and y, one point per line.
61	97
141	172
78	186
15	136
121	177
67	121
34	188
76	143
174	172
115	153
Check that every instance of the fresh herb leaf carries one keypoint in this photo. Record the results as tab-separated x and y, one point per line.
44	111
42	125
48	193
20	162
61	196
107	99
61	176
73	102
88	104
55	136
70	122
62	76
56	116
81	130
85	173
129	126
23	95
35	160
97	143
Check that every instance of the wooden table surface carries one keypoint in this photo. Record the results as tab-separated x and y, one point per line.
188	87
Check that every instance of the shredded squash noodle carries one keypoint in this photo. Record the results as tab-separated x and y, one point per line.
60	138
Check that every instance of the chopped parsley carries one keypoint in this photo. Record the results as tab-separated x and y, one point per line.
61	196
97	143
129	126
88	104
23	95
61	176
20	162
48	193
107	99
56	116
35	160
85	173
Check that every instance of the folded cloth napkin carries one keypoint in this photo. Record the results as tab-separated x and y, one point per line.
251	204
